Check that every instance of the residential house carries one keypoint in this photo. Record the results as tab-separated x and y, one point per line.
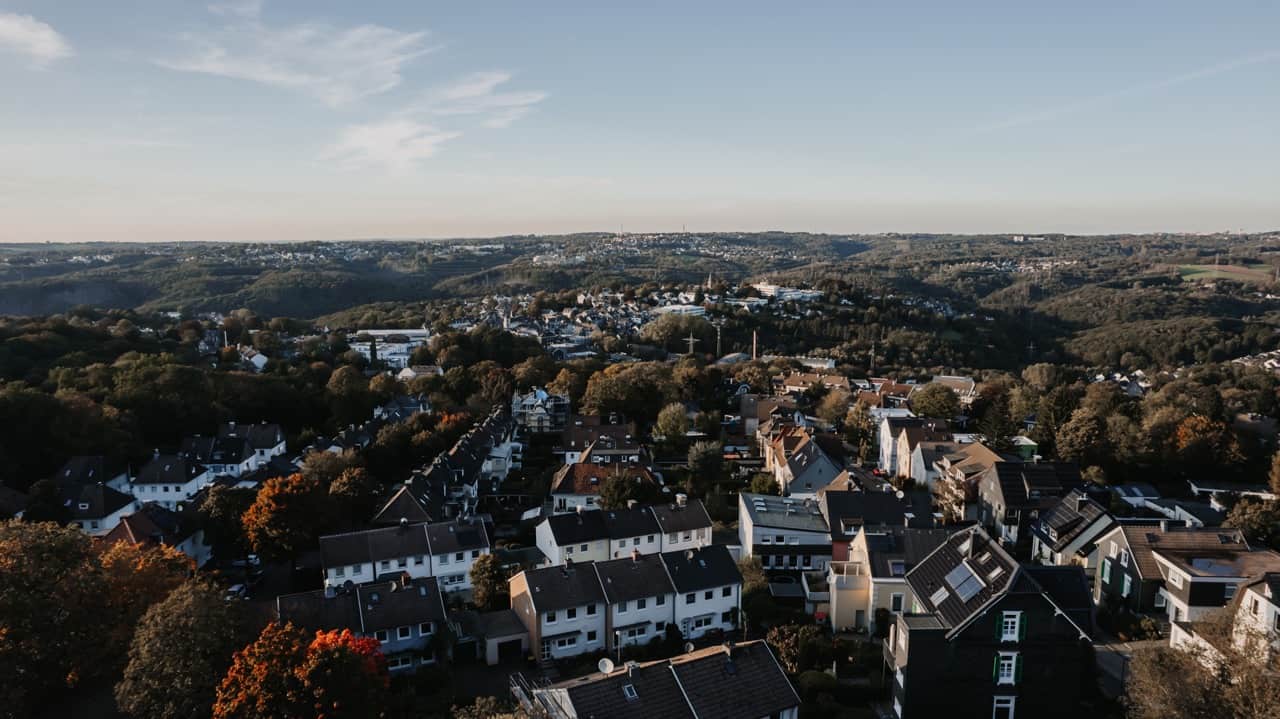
911	434
799	463
640	599
1011	493
574	537
987	637
229	456
612	439
1130	576
578	485
599	535
730	681
401	507
959	473
890	427
563	609
266	438
444	550
756	409
708	589
412	372
965	388
848	513
923	469
797	383
404	614
401	407
682	524
94	469
871	585
787	535
540	412
1067	531
170	480
155	524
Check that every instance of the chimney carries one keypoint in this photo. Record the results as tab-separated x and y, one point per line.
681	499
635	554
631	504
1164	525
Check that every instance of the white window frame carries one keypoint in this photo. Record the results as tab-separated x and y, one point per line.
404	632
1009	662
1159	602
999	703
1106	570
1010	626
1175	579
1127	588
899	599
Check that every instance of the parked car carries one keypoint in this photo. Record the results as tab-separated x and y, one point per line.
237	592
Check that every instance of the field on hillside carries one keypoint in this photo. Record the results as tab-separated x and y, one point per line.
1258	273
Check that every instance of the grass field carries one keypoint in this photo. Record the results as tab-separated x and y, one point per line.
1258	273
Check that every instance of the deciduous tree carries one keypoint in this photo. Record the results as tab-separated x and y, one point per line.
285	517
488	583
935	400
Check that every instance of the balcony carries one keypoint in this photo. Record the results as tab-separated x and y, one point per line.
887	646
849	576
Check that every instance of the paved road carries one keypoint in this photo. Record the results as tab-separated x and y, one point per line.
1113	657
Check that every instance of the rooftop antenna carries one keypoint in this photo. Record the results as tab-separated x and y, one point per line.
754	335
692	341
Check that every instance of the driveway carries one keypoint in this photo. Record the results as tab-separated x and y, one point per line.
1113	658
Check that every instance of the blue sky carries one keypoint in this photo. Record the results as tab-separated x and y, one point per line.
274	120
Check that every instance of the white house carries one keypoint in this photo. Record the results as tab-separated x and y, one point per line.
708	589
169	480
445	550
562	608
640	597
786	534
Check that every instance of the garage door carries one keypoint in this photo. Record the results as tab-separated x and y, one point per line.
510	650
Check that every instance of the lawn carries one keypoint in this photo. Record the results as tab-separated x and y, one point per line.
1258	273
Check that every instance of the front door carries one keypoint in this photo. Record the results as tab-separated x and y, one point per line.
860	618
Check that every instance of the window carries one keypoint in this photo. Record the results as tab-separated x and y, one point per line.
727	592
591	636
1253	606
897	568
640	603
1124	557
1002	708
636	632
895	603
417	561
629	691
425	628
583	548
708	594
1010	626
358	570
381	636
1113	551
701	622
1175	579
403	632
766	540
650	539
1128	586
444	559
1275	622
1106	571
780	539
591	610
571	613
385	564
566	642
402	562
551	617
475	553
568	551
687	536
690	598
1006	667
622	543
399	662
660	600
340	572
622	607
1159	601
459	556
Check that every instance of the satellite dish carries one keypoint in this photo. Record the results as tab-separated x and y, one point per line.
688	647
899	494
605	665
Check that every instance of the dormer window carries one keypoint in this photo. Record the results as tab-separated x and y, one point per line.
629	691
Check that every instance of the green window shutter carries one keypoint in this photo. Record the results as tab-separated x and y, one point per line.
995	668
1017	669
1022	627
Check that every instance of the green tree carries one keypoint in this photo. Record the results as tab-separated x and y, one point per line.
222	512
673	423
181	648
1259	520
935	400
354	494
833	407
621	487
488	583
706	461
789	641
1273	477
764	483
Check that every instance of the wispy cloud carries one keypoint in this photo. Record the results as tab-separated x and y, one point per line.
396	144
32	39
337	66
1086	103
414	133
478	94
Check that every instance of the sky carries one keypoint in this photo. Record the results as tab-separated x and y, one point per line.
286	120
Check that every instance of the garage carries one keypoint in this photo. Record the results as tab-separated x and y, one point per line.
511	650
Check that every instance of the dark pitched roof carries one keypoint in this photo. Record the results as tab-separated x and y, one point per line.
216	450
1068	588
890	545
316	612
372	545
1142	540
634	578
260	436
169	469
575	527
153	523
586	478
702	568
846	511
458	535
1033	484
712	683
399	602
403	504
93	501
635	522
1065	519
743	681
675	518
962	575
88	470
571	585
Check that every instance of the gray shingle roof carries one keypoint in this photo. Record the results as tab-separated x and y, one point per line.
553	588
634	578
704	568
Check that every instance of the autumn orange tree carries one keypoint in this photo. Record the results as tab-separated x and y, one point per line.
286	515
334	675
136	576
